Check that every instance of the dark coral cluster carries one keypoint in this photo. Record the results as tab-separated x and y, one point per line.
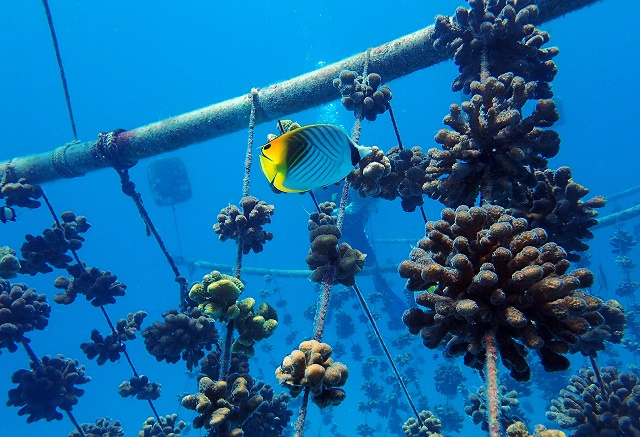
21	310
585	408
451	420
429	426
510	412
180	336
109	347
492	274
363	94
311	366
103	427
369	178
100	287
448	379
244	224
141	388
253	324
169	426
498	35
272	416
21	193
555	204
326	256
49	385
9	264
492	149
48	250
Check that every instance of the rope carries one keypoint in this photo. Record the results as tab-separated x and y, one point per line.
104	310
249	157
54	39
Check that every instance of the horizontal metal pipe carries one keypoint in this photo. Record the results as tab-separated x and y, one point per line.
618	217
392	60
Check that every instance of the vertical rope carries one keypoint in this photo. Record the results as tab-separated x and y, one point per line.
249	156
491	384
54	39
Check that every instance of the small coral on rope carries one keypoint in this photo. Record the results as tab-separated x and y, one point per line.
244	224
363	94
21	310
20	193
584	407
253	325
98	286
109	347
49	385
510	412
103	427
368	176
310	366
217	295
180	336
519	429
448	378
491	272
429	426
169	426
141	388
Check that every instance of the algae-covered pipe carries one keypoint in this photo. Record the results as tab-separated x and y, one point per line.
392	60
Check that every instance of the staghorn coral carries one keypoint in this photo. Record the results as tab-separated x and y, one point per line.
519	429
310	366
583	407
49	385
448	378
217	295
244	224
20	193
476	408
492	147
103	427
555	204
169	426
253	325
41	253
98	286
9	264
492	274
325	253
109	347
360	94
367	177
430	426
141	388
21	310
180	336
500	36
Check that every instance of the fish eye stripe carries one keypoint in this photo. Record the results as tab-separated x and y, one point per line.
262	155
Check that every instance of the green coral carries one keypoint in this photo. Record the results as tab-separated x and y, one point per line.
253	326
217	295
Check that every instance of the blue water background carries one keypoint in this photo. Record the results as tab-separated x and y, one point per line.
132	63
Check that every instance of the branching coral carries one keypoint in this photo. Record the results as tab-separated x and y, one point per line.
244	224
325	253
21	310
585	408
180	336
141	388
476	408
555	204
98	286
9	264
493	274
492	146
217	295
253	325
500	36
310	366
109	347
363	94
103	427
49	385
169	426
50	250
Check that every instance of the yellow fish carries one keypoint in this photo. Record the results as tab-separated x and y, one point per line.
309	157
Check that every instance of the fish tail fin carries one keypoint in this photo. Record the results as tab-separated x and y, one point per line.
363	150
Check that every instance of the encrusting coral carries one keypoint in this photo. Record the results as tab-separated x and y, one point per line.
49	385
244	224
21	310
9	264
493	274
310	366
180	336
109	347
363	94
253	325
169	426
98	286
584	407
326	253
41	253
217	295
103	427
141	388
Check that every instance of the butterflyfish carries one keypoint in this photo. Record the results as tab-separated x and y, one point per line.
7	214
309	157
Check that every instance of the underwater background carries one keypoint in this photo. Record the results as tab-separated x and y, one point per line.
132	63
